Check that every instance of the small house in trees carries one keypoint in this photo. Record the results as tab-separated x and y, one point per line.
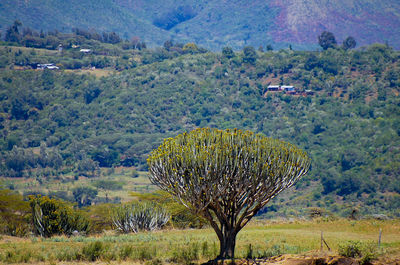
85	50
309	92
273	88
50	66
289	89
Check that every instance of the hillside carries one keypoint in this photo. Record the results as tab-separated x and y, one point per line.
215	24
64	124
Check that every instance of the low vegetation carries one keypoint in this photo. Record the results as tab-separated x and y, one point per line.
259	239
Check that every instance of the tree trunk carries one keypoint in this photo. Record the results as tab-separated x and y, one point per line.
227	245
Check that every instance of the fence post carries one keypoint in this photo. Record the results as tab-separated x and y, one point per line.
324	242
380	237
322	238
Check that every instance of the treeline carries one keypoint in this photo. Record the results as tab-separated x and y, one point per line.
349	127
52	39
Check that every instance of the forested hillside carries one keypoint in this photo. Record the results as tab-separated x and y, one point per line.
215	24
58	123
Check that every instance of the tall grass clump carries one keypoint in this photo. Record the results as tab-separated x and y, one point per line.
93	251
186	255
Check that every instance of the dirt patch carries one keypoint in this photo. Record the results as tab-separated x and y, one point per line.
304	260
290	259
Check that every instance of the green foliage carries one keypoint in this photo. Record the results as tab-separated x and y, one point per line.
366	252
349	43
228	52
327	40
249	55
109	185
174	17
14	214
350	249
52	217
84	195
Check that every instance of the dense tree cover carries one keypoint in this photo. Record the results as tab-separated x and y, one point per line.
57	122
174	17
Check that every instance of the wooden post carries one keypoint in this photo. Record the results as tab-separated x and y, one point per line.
322	239
380	237
324	242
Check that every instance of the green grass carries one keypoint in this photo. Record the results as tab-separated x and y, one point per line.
260	239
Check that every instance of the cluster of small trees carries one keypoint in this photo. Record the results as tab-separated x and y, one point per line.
18	160
327	40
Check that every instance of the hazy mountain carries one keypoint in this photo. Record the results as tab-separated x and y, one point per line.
214	24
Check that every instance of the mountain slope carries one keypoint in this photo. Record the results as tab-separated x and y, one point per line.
216	24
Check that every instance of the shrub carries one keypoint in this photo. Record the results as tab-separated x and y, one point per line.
14	218
136	216
51	216
351	249
366	252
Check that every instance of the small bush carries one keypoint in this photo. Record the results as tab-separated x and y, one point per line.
351	249
366	252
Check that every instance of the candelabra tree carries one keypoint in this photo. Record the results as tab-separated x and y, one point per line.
226	176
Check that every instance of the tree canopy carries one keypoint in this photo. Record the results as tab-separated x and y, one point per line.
327	40
349	43
226	176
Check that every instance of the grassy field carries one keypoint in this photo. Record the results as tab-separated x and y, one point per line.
123	175
260	238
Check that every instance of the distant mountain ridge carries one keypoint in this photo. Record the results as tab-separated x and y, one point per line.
216	24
